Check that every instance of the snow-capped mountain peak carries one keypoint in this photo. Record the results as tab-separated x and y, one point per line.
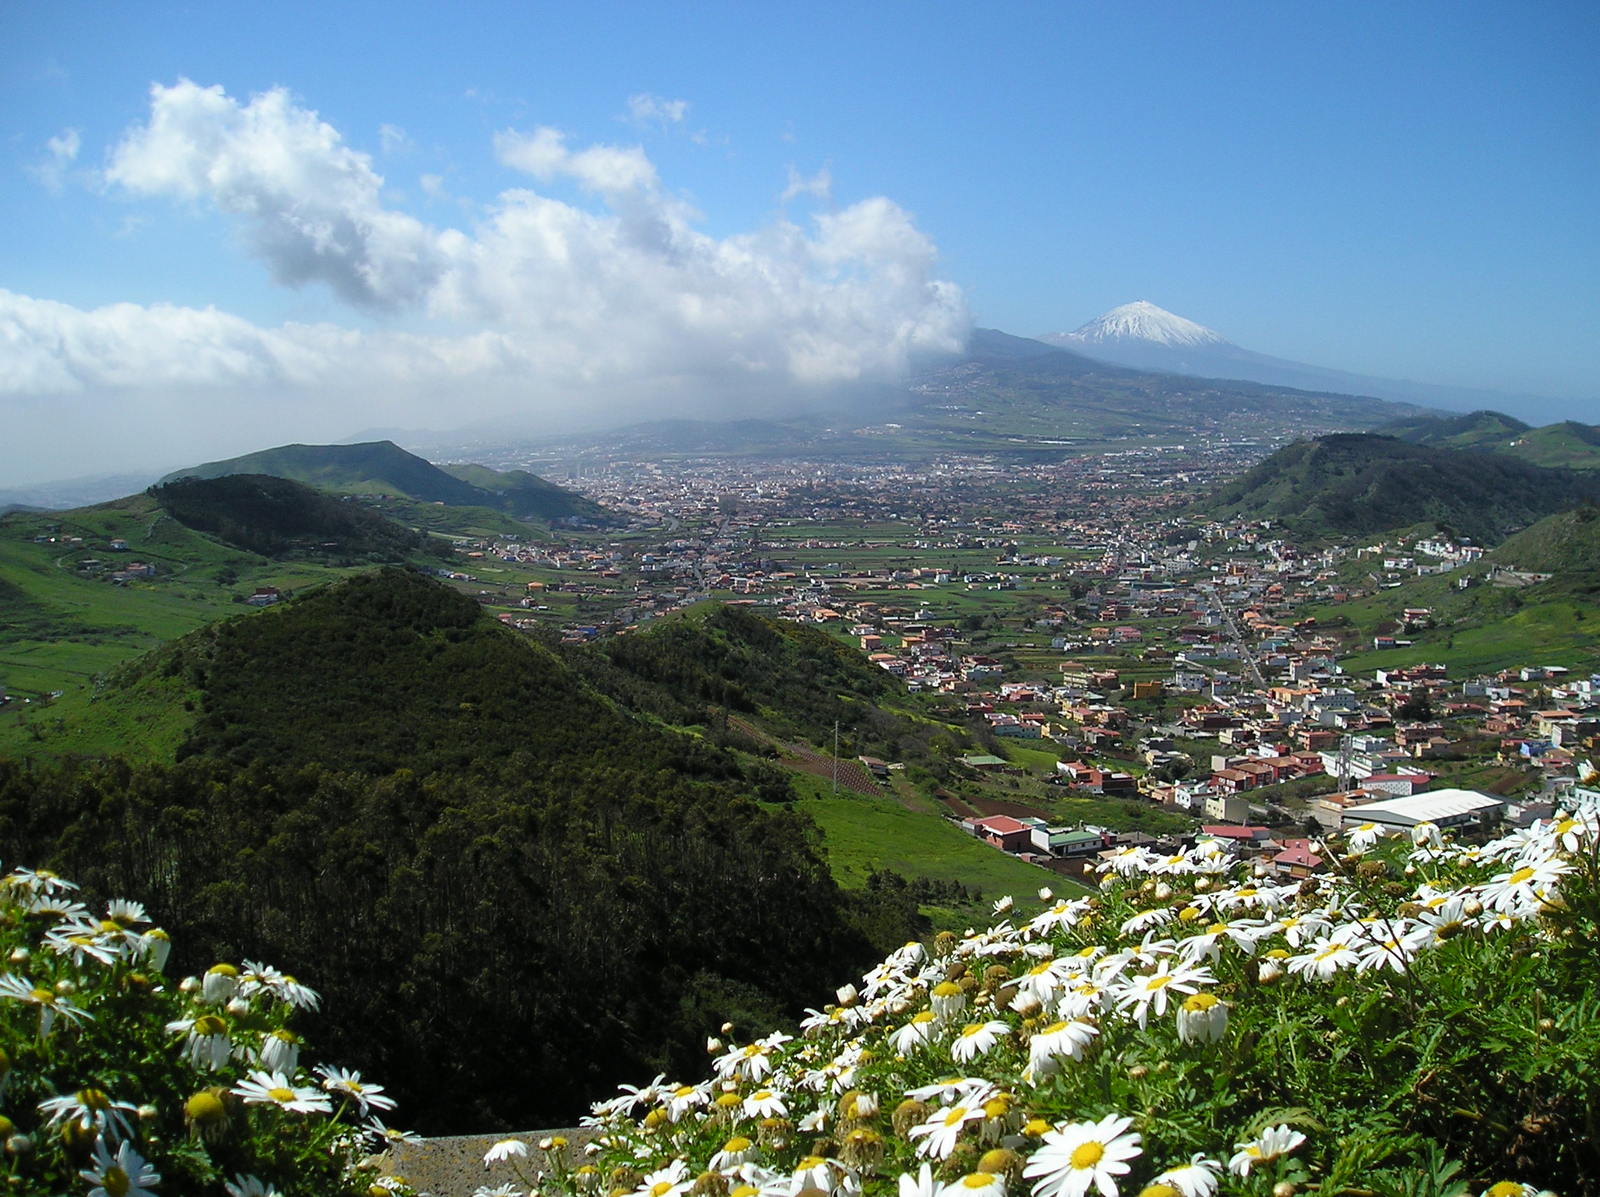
1144	321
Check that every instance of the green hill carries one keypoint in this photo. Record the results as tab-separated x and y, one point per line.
525	494
1567	543
515	890
277	517
1567	445
1352	484
1488	430
383	468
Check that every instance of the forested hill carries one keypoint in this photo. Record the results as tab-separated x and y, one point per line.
384	468
512	892
277	517
1359	484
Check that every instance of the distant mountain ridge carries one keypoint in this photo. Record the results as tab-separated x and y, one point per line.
1041	388
1361	484
1143	336
384	468
1567	445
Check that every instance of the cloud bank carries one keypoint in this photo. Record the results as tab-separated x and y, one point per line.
589	282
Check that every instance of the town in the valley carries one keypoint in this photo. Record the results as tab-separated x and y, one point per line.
1100	643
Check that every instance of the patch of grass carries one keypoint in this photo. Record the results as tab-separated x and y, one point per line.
861	835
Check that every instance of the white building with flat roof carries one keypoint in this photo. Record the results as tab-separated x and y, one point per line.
1447	808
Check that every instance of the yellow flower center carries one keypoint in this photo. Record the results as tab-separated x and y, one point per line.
1160	982
204	1108
977	1180
1520	876
1087	1155
1200	1003
93	1099
971	1029
1159	1190
955	1115
280	1094
116	1182
737	1143
660	1187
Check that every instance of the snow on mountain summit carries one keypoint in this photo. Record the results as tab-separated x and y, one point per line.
1144	321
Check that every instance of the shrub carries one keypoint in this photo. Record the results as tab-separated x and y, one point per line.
1420	1021
115	1081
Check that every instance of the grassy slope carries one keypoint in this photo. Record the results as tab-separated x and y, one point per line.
860	835
1481	629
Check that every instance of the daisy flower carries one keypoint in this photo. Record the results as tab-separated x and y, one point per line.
349	1084
1149	993
384	1137
1203	1018
1394	947
83	941
977	1039
124	1175
1521	888
816	1172
1325	958
1197	1178
275	1089
1268	1145
19	989
765	1103
1067	1039
1365	837
947	1000
263	978
921	1185
737	1150
1081	1154
670	1181
976	1184
914	1034
244	1185
939	1133
90	1109
505	1149
206	1043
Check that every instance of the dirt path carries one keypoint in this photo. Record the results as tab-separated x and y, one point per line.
802	758
453	1167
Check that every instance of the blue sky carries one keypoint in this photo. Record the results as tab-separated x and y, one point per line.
228	225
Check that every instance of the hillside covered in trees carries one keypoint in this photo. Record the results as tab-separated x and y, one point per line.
513	890
277	517
1358	484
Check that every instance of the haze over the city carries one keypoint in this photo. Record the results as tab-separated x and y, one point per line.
225	228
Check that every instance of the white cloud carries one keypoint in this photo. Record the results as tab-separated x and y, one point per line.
818	186
393	139
541	306
606	169
308	204
646	109
61	152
